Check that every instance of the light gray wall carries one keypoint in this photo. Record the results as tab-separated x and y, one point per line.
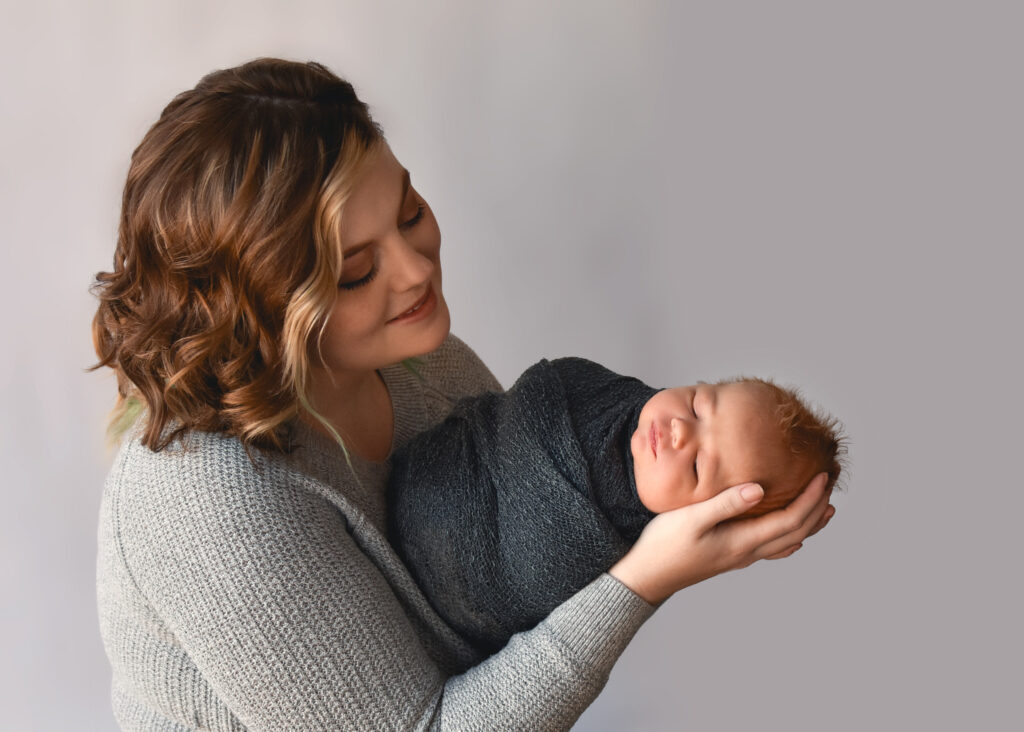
827	193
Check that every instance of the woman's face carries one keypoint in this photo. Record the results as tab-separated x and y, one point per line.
389	305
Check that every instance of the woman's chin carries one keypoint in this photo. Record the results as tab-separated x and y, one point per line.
444	323
435	330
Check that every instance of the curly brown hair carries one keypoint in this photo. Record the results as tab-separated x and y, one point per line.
228	254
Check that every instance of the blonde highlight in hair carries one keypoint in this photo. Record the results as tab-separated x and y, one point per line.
228	252
306	316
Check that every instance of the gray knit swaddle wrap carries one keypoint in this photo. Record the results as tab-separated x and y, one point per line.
520	499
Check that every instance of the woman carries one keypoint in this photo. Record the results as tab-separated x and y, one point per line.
274	269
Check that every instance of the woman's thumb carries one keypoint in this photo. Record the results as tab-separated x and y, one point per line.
731	502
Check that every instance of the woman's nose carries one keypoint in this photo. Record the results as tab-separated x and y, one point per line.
682	431
412	268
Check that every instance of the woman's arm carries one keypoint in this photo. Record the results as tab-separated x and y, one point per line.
546	677
293	627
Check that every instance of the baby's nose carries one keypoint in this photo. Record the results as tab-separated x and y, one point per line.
681	430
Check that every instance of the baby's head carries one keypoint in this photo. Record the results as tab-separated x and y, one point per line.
693	442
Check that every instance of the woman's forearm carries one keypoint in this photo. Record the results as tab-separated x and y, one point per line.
546	677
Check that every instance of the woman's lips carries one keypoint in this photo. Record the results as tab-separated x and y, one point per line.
421	309
654	439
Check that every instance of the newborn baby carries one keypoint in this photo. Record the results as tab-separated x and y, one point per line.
520	499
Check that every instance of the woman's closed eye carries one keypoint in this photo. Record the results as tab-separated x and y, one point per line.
359	270
359	282
420	209
367	278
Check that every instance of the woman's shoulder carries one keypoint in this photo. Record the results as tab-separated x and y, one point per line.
194	488
191	460
209	511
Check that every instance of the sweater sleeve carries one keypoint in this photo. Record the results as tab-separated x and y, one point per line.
546	677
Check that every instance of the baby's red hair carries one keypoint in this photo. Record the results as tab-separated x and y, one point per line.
815	441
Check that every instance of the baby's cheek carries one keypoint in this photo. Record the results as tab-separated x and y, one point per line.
673	492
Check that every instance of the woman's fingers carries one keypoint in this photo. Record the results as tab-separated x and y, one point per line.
728	504
822	523
797	521
830	511
785	552
772	533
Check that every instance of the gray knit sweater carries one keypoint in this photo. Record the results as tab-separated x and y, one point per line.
235	595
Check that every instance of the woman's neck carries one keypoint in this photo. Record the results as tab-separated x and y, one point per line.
358	407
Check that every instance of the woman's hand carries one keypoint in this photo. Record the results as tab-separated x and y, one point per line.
682	547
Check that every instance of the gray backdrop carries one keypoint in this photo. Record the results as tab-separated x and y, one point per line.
827	193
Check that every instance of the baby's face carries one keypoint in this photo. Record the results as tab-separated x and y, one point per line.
693	442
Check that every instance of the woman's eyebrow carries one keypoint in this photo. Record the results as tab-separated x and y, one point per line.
406	182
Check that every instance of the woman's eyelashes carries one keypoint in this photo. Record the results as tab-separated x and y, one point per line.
421	207
366	279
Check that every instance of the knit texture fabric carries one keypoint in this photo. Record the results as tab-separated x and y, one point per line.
264	595
520	499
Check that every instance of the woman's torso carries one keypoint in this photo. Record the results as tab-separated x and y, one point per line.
222	581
